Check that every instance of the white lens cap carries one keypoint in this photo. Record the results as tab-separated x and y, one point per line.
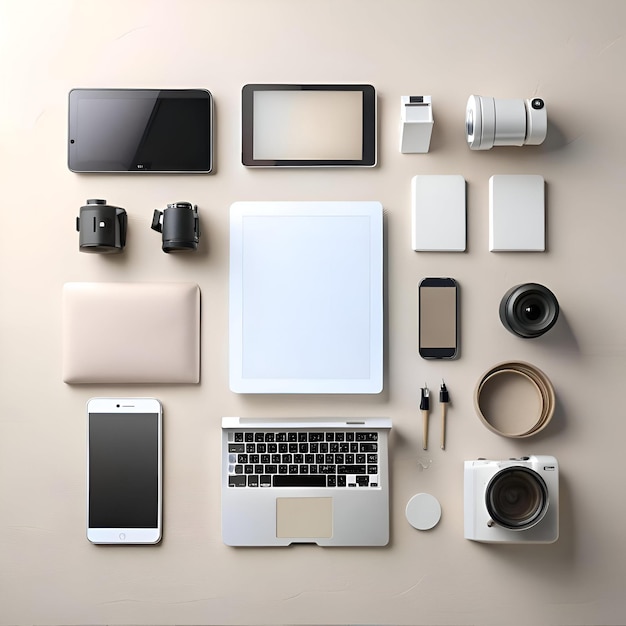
423	511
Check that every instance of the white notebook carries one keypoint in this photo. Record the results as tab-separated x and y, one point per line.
306	297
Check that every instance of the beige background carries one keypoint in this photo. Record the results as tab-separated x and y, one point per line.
571	54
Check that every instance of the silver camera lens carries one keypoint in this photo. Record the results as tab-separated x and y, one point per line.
517	498
493	122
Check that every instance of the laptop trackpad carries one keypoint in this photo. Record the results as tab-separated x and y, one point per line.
304	517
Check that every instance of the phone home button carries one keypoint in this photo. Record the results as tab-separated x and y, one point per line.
122	536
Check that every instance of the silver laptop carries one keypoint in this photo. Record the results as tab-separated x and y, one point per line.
304	480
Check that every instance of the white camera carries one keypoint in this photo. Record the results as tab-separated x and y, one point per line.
513	501
493	122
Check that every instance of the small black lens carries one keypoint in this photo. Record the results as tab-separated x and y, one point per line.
529	310
532	312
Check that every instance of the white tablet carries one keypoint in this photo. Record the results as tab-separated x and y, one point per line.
306	297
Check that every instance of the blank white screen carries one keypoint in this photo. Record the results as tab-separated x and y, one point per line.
306	311
308	125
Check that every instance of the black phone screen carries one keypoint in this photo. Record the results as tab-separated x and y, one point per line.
123	470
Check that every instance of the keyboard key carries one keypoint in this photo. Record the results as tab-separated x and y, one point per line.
271	469
351	469
309	480
369	447
362	481
238	437
367	436
265	481
237	481
236	447
317	436
328	469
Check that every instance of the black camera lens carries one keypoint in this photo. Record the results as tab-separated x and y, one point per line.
516	498
529	310
537	103
179	225
102	227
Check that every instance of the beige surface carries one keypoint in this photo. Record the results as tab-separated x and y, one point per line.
569	53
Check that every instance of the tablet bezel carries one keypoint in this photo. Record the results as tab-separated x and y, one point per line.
368	137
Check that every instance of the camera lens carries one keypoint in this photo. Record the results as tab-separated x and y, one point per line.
529	310
537	103
517	498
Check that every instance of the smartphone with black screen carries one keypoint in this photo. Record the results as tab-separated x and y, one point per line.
438	303
124	470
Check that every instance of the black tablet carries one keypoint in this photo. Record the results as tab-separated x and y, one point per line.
308	125
140	130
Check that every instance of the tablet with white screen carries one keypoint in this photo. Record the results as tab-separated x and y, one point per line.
306	297
308	125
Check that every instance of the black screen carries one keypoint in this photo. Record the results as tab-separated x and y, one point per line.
143	130
123	470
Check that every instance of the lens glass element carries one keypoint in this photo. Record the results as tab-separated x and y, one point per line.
517	498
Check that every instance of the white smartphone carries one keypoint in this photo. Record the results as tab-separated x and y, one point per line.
124	470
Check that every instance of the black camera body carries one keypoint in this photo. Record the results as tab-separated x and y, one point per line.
529	310
180	226
102	227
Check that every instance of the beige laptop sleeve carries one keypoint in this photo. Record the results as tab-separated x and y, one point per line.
131	333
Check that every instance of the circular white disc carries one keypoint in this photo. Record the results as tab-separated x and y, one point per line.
423	511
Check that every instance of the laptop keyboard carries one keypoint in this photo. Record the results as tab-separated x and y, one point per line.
339	459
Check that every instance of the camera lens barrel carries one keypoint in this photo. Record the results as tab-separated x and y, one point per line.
179	225
101	227
529	310
493	122
517	498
